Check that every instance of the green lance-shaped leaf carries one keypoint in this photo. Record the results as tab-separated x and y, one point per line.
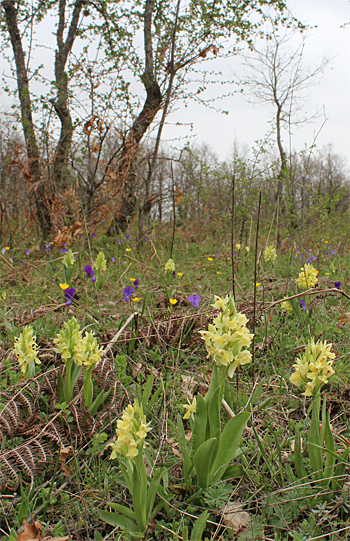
115	519
338	481
198	527
229	442
202	461
298	459
101	398
187	462
126	511
330	452
199	424
152	491
139	494
315	444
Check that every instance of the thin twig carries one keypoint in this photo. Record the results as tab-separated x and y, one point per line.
255	266
232	236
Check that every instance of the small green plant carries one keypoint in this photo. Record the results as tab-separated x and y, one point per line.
78	351
313	370
26	351
100	266
68	266
209	455
132	429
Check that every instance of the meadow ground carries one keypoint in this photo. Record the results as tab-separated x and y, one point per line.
289	476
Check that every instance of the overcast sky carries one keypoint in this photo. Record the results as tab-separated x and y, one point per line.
247	123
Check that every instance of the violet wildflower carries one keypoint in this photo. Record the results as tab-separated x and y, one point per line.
128	291
21	261
303	304
89	271
118	241
337	285
135	282
94	235
113	259
27	252
127	237
194	300
112	228
69	294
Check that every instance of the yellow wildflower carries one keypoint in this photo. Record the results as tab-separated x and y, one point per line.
314	367
218	272
270	254
285	305
136	299
128	249
258	284
173	301
238	246
169	266
307	277
131	431
227	336
210	259
26	350
180	274
327	273
191	408
64	286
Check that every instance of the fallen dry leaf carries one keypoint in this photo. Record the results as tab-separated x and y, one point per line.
344	319
234	517
187	385
32	532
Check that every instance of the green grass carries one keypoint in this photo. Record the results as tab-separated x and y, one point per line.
66	498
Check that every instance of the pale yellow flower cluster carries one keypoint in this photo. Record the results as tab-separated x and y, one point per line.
285	305
270	254
26	349
100	263
68	259
131	431
228	336
169	266
87	351
68	338
307	276
314	367
72	345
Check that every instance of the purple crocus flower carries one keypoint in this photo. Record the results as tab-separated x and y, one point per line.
337	285
194	300
128	291
89	271
303	304
69	294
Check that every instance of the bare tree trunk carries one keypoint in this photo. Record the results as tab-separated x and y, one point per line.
126	169
60	173
41	196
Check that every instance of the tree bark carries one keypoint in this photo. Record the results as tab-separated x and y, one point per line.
42	201
127	179
60	172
